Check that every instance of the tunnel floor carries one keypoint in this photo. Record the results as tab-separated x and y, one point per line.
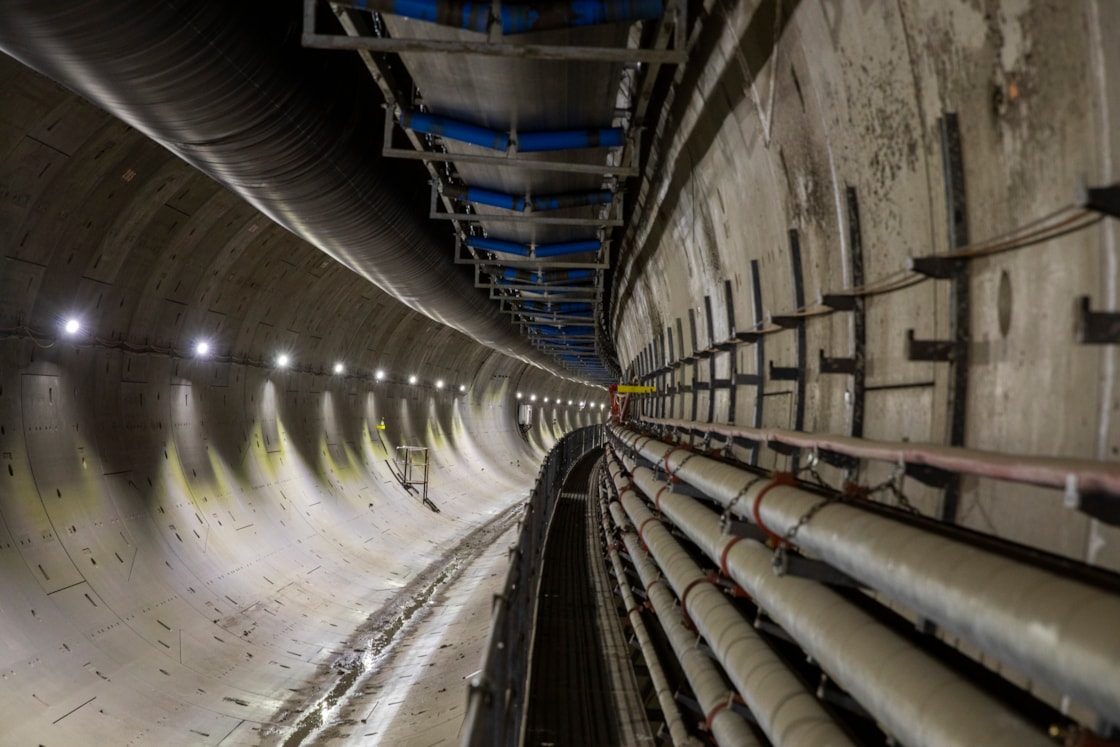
570	693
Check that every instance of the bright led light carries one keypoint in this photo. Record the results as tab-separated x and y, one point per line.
546	400
339	368
202	348
439	383
462	387
581	404
569	403
282	360
72	326
379	375
601	405
412	379
519	395
532	398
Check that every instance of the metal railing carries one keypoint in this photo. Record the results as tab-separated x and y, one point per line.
496	700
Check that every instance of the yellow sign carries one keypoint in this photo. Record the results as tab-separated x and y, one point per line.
635	389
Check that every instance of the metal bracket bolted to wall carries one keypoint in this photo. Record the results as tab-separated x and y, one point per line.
836	365
1104	200
1095	327
931	350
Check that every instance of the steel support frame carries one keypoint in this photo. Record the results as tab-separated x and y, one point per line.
494	47
532	262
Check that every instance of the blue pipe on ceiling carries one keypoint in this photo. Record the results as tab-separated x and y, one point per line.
570	307
567	247
533	142
524	250
518	18
486	197
520	204
545	329
433	124
497	245
546	277
577	199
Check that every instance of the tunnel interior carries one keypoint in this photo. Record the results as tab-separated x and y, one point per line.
228	312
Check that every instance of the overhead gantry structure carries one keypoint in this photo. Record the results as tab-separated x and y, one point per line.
529	119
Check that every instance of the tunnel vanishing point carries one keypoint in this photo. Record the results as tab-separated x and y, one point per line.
579	372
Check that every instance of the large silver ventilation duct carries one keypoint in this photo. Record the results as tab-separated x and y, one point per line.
227	87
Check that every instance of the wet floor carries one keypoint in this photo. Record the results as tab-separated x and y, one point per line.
403	681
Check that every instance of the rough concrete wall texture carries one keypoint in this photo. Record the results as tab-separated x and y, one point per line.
786	106
188	544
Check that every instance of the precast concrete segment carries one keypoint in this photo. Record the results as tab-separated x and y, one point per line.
787	712
185	544
678	735
703	677
914	698
237	99
1056	630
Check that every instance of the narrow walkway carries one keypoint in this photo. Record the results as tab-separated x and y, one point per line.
570	698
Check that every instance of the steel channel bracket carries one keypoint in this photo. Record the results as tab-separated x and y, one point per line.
1096	327
931	350
932	476
1105	200
783	373
836	365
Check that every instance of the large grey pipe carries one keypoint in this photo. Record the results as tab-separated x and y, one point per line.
227	87
703	677
1056	630
678	735
788	713
915	698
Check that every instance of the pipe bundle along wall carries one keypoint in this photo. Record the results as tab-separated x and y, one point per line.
228	89
703	677
914	697
787	712
1056	630
677	733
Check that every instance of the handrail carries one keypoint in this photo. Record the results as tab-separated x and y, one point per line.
1075	476
496	698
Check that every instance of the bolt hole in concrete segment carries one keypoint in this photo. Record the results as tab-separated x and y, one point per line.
1004	303
397	683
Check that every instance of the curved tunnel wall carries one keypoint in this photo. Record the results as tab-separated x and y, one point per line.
186	540
776	118
187	638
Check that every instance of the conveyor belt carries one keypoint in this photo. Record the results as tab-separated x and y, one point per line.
570	701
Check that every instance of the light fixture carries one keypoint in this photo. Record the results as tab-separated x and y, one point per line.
379	375
439	383
412	379
72	326
339	368
581	404
462	387
546	400
569	403
282	360
519	395
202	348
532	398
601	405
